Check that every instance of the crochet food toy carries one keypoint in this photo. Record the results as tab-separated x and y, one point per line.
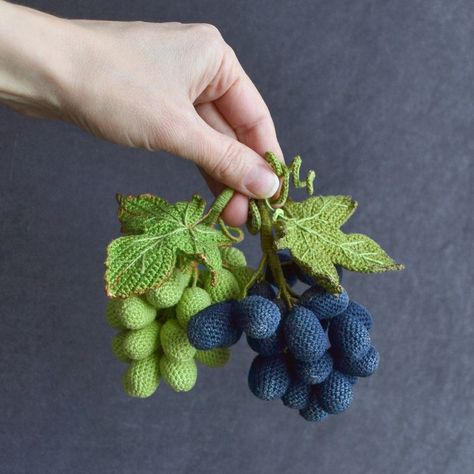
181	293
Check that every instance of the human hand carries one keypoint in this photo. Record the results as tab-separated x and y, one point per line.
169	86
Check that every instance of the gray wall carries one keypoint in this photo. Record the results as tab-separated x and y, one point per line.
378	97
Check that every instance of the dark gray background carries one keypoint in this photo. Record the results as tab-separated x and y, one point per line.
378	97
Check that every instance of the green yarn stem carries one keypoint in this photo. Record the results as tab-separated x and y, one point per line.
218	206
256	276
266	240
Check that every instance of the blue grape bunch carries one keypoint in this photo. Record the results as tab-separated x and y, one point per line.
309	356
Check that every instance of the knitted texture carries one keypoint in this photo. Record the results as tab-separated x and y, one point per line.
313	236
323	304
311	281
358	311
314	372
362	367
117	346
264	289
233	257
141	343
169	293
142	377
297	395
131	313
335	393
349	337
179	375
214	357
269	346
227	287
243	275
288	267
214	327
304	335
192	301
268	377
174	341
258	317
313	411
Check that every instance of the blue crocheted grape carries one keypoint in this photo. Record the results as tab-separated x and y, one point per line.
214	327
323	304
314	372
349	337
258	316
313	411
297	395
358	311
269	378
335	393
311	281
262	288
362	367
304	335
269	346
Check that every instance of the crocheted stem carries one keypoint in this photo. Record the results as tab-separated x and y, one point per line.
266	239
218	206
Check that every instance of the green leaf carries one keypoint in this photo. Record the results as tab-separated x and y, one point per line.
138	262
310	230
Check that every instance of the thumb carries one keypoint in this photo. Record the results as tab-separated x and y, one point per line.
227	160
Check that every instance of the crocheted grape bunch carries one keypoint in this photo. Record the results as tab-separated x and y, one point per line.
152	335
181	292
309	356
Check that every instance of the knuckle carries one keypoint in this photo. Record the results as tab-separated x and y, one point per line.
209	33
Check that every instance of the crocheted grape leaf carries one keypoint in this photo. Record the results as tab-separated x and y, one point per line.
310	229
140	261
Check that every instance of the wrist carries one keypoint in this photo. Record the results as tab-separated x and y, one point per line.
36	60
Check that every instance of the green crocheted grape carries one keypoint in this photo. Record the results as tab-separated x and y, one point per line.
130	313
233	257
174	341
169	293
193	300
117	346
180	375
243	275
214	357
142	377
143	342
227	287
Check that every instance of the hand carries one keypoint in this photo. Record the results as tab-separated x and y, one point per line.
169	86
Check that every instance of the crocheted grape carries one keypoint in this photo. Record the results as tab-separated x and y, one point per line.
335	393
358	311
314	372
258	317
141	343
214	357
192	301
233	257
268	377
362	367
214	327
131	313
181	376
117	346
142	377
313	411
270	346
243	275
311	281
348	336
304	335
174	341
264	289
227	287
297	395
323	304
169	293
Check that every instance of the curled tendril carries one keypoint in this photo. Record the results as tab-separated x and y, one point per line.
227	231
254	221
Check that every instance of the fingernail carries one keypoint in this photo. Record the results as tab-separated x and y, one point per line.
261	182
